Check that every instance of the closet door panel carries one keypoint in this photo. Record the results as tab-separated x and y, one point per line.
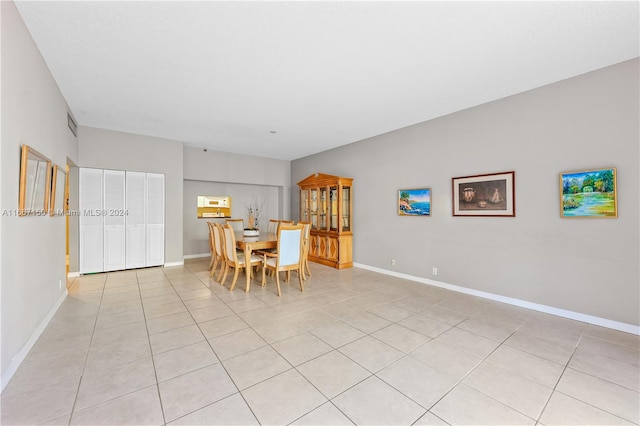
155	219
114	220
91	220
135	220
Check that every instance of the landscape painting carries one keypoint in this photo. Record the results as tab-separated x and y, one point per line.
414	202
590	193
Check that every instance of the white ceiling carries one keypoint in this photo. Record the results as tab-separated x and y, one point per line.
224	75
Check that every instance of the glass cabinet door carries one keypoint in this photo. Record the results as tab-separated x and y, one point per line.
333	208
322	217
304	205
314	208
346	208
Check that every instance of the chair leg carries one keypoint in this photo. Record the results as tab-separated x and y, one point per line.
223	266
306	264
224	276
235	278
264	276
278	282
300	278
213	267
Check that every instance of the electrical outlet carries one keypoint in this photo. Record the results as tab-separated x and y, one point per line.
435	271
393	262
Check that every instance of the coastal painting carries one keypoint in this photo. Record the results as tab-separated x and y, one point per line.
414	202
590	193
484	195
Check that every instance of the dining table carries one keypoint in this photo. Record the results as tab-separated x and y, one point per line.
264	241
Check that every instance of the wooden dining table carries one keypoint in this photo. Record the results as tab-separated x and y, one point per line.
263	241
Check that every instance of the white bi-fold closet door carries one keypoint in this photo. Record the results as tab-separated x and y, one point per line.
114	220
136	220
121	220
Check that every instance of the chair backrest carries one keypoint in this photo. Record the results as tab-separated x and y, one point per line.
211	238
220	234
216	240
236	224
285	222
272	227
230	243
289	244
307	229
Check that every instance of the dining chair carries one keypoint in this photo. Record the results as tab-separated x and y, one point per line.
235	259
223	255
236	224
272	226
216	254
211	249
305	248
288	256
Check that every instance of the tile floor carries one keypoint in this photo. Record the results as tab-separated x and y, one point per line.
170	346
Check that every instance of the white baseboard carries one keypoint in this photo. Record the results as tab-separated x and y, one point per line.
15	362
73	274
195	256
170	264
602	322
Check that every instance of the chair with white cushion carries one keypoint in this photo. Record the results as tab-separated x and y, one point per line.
217	256
306	241
235	259
272	227
289	254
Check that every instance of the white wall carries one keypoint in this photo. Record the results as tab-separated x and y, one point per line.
108	149
34	112
588	266
196	231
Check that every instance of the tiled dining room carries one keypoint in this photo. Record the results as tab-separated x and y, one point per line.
172	346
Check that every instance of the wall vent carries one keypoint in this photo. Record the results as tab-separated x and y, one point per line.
72	125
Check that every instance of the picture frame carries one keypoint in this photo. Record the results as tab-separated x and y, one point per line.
414	202
58	205
35	183
589	193
491	194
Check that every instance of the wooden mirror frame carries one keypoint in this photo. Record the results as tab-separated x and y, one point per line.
58	192
35	179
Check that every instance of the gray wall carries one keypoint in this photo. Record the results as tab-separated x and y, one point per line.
32	253
107	149
216	166
589	266
196	231
242	177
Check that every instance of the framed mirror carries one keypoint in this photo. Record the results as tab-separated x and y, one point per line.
58	192
35	182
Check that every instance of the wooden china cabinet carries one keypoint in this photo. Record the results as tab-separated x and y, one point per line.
326	202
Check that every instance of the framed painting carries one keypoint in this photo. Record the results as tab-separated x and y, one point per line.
57	205
414	202
35	182
484	195
589	193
